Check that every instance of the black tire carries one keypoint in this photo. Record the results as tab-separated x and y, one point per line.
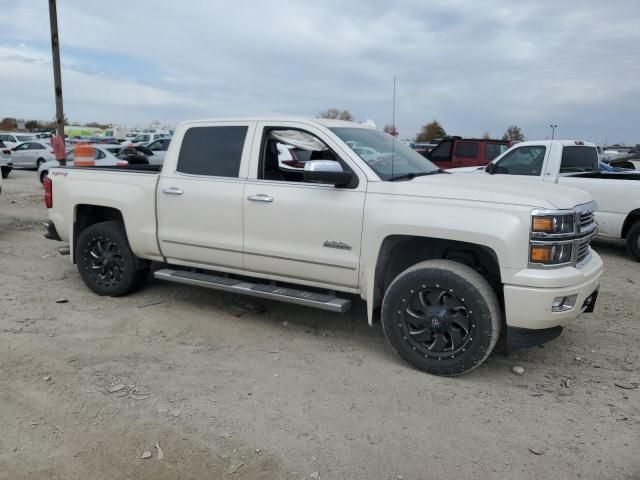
633	240
105	260
442	317
43	175
6	172
39	162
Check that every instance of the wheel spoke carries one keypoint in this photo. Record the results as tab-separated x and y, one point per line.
461	319
422	335
94	254
439	343
456	338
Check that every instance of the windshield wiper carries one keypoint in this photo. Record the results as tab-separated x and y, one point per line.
412	175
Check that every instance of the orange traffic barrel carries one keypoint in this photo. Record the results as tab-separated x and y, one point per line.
83	155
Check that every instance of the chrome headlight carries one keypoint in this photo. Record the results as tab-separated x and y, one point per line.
551	253
553	224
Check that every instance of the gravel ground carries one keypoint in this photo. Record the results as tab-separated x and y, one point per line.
232	388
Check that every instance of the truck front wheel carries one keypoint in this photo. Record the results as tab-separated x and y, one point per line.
633	241
105	260
442	317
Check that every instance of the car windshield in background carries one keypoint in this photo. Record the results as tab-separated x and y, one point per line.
579	159
26	138
386	155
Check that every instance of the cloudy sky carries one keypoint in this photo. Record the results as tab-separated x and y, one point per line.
476	66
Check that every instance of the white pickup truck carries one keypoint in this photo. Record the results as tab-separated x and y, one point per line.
450	263
574	163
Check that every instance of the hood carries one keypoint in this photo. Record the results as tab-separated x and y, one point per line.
505	189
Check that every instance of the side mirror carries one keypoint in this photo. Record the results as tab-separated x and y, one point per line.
491	168
326	171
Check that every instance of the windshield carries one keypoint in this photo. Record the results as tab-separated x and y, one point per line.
386	155
25	138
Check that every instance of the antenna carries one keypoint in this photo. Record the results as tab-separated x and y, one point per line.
393	126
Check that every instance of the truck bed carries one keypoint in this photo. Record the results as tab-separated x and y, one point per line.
129	190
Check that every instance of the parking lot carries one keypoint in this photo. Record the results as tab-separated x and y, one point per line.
235	388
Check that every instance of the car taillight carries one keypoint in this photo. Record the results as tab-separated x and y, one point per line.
48	192
6	152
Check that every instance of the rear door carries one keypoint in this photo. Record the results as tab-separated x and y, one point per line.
200	200
466	154
22	156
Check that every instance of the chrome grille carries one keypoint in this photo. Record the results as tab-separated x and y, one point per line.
587	219
583	250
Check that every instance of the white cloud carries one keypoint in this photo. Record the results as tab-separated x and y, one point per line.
475	66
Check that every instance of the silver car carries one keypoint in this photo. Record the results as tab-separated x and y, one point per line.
31	154
104	156
159	149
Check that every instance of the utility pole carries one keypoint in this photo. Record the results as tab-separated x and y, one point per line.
553	130
57	77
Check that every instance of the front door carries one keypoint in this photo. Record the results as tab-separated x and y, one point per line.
200	199
303	231
22	156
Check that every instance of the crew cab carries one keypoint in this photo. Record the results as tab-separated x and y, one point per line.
574	163
458	152
450	264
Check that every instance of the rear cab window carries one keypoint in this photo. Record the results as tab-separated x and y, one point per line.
214	151
576	159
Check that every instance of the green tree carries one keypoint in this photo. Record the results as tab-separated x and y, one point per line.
430	132
514	134
335	113
391	130
32	125
8	123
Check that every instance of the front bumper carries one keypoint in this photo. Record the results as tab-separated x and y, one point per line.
530	307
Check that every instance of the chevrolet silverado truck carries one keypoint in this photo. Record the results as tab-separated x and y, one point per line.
450	264
574	163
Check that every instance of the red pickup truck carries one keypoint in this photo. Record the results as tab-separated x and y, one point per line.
456	152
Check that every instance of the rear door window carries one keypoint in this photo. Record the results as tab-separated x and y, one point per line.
466	150
579	159
523	161
494	150
212	151
441	153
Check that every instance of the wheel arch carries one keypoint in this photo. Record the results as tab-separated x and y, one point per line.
399	252
632	218
86	215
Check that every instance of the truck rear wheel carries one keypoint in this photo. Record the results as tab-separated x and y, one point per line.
105	260
633	241
442	317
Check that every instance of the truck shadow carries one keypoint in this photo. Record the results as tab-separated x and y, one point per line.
610	246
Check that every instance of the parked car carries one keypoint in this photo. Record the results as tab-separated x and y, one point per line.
456	152
424	148
32	154
449	262
158	149
13	139
104	156
575	163
145	138
6	165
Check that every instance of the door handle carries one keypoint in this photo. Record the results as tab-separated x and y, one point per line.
172	191
261	197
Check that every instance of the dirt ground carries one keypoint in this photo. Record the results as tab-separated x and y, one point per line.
231	388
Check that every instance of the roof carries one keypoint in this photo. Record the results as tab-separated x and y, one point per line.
325	122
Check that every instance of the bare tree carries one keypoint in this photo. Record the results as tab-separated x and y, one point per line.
337	114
